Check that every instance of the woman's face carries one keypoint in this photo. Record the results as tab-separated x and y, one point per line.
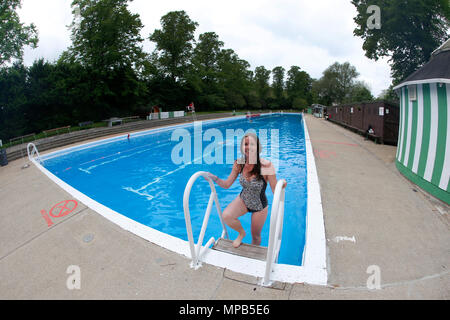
250	149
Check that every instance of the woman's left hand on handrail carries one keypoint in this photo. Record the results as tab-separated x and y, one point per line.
211	176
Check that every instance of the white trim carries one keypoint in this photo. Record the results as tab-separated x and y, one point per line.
314	254
445	175
419	130
443	47
400	127
313	270
441	80
433	133
408	133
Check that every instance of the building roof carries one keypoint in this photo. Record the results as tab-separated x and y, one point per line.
435	70
444	47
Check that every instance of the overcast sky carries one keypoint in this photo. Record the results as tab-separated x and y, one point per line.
309	34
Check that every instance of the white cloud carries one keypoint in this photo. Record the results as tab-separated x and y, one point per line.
308	34
51	18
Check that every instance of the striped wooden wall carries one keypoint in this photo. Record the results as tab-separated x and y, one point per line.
423	150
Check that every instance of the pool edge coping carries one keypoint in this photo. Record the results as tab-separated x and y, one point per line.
313	270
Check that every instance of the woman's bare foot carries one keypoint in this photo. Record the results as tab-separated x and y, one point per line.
237	242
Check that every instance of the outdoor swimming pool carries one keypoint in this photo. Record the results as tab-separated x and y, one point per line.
144	177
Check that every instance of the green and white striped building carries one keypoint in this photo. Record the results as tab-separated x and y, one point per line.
423	150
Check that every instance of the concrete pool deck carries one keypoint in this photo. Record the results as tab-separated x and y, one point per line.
373	217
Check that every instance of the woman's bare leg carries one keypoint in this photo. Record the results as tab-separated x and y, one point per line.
258	220
231	214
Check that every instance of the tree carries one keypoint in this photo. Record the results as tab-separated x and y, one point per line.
298	87
203	74
206	53
12	101
234	78
107	43
336	84
105	35
389	95
174	43
278	85
261	81
14	35
324	91
360	92
410	31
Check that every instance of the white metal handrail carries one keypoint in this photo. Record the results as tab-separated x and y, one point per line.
34	151
276	230
196	252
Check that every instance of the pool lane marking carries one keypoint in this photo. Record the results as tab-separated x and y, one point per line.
158	179
226	142
128	150
147	132
88	170
95	160
104	157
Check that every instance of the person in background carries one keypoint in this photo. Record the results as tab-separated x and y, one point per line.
191	107
369	131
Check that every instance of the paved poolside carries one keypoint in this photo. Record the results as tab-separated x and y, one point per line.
372	214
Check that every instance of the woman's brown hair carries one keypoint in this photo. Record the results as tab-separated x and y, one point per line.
257	168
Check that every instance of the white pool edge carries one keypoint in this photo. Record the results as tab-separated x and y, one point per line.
313	270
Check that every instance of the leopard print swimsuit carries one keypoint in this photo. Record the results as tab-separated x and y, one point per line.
253	193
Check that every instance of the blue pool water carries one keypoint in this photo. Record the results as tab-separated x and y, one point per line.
139	178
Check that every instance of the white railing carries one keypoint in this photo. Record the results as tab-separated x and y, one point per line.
276	224
178	114
276	230
34	151
196	252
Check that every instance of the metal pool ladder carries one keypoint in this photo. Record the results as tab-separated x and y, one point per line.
195	252
268	254
34	151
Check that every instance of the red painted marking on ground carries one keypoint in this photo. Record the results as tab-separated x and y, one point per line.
324	154
65	207
46	217
335	142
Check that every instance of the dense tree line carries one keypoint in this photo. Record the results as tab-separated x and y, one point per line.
106	72
408	33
